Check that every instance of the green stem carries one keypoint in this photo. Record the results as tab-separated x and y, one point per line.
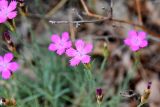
89	74
140	104
98	105
103	63
10	26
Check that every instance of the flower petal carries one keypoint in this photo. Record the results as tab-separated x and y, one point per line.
3	4
144	43
8	57
86	59
79	44
6	74
1	69
74	61
65	36
13	66
1	59
71	52
1	62
88	48
134	48
55	38
60	51
3	17
68	44
142	35
127	41
132	33
52	47
12	15
12	6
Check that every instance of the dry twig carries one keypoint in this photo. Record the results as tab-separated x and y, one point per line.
89	13
138	4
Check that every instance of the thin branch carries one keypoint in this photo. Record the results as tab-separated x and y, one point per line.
111	8
75	22
77	14
128	93
71	27
89	13
57	7
138	5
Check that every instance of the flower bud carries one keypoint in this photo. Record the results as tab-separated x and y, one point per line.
146	93
99	95
7	38
105	50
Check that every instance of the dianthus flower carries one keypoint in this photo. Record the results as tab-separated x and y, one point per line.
136	40
60	44
80	53
7	11
6	66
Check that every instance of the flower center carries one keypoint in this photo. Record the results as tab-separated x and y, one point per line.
4	65
136	41
61	44
80	53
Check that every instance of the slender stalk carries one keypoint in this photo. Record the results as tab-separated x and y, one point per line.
140	104
98	105
10	26
103	63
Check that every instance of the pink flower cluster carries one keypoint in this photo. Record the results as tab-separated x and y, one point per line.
64	45
6	66
136	40
7	11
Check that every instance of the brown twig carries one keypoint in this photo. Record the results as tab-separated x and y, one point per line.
57	7
128	93
51	12
75	22
138	5
71	27
111	8
89	13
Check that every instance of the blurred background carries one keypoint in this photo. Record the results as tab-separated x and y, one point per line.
46	79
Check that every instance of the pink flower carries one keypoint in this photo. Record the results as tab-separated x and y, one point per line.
136	40
7	11
80	53
60	44
6	66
